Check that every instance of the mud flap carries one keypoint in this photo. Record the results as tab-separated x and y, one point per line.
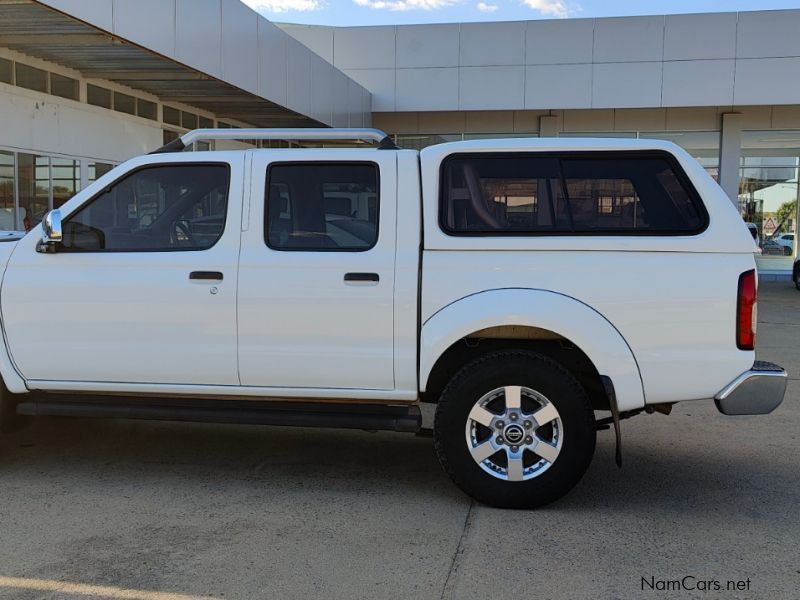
612	403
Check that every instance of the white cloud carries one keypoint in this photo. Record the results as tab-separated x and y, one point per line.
279	6
406	4
553	8
487	8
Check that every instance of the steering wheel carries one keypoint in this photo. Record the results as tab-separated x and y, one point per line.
181	229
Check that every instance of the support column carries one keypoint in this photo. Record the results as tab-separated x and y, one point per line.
730	151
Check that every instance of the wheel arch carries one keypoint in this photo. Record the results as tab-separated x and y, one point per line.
531	317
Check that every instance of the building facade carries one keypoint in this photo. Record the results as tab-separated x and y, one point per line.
85	84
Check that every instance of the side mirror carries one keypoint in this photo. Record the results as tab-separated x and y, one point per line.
52	233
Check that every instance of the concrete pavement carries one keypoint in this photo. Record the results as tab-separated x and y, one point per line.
164	510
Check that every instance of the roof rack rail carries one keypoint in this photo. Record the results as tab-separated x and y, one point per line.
384	141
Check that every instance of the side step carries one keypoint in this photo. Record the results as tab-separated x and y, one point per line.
295	414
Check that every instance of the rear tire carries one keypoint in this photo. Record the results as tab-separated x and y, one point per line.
514	429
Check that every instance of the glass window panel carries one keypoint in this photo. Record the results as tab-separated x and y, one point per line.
8	212
498	136
172	116
64	87
769	190
418	141
322	207
206	123
6	71
124	103
173	207
98	96
702	145
147	109
66	177
170	136
98	169
188	120
31	78
33	176
597	134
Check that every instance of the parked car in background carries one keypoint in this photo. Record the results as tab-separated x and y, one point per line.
773	248
786	240
518	284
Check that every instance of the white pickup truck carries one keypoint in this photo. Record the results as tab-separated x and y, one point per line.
520	285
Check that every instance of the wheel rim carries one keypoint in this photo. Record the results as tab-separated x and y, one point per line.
514	433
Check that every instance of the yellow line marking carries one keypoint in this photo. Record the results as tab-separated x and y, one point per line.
97	591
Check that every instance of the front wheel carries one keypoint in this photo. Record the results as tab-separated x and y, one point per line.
514	429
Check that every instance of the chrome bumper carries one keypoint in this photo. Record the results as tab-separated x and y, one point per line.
755	392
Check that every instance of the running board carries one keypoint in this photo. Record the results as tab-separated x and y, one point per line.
294	414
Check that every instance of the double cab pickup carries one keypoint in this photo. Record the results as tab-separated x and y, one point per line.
534	290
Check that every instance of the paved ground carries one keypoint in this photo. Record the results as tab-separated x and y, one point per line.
173	511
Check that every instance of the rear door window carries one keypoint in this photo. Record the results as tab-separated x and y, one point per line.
546	194
322	206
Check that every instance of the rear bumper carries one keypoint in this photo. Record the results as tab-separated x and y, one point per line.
755	392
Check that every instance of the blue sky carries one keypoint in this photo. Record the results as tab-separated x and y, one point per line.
382	12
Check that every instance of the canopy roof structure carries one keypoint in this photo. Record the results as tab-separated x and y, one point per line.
219	56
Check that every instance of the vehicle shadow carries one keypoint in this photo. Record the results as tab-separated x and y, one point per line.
656	476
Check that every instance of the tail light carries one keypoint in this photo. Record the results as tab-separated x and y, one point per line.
746	311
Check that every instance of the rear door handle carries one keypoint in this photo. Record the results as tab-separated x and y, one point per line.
206	275
370	277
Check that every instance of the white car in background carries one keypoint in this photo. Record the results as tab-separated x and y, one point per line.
786	240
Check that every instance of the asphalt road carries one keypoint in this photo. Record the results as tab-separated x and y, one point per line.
161	511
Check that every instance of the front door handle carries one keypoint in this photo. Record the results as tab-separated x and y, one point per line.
205	275
368	277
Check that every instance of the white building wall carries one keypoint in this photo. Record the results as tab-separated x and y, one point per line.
627	62
39	123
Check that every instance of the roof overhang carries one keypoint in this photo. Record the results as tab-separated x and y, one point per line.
32	28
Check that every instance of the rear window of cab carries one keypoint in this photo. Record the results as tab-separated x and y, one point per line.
568	193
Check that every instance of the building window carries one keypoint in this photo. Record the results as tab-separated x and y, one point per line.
65	179
206	123
172	116
63	87
188	120
8	213
31	78
6	71
147	109
30	185
170	136
124	103
98	169
98	96
418	141
33	179
702	145
769	189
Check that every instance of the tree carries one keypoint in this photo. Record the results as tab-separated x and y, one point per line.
786	211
